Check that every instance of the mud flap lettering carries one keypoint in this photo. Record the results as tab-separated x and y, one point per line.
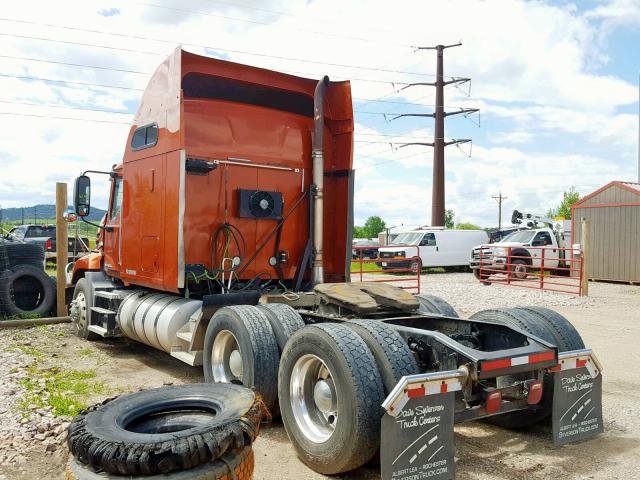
577	405
417	443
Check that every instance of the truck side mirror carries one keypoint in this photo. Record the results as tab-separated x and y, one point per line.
82	195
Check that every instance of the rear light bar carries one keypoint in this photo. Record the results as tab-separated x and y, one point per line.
544	357
423	384
578	359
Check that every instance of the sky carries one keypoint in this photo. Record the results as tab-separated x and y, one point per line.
556	84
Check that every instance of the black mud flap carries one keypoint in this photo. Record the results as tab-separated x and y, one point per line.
417	430
577	399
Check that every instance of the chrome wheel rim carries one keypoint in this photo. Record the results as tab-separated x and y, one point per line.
226	358
80	314
314	401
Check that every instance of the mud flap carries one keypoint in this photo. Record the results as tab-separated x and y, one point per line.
417	428
577	399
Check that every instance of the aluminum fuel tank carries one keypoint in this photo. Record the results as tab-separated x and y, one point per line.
155	318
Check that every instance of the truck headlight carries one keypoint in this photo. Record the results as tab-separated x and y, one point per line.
501	252
400	254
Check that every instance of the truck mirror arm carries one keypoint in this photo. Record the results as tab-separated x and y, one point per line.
106	228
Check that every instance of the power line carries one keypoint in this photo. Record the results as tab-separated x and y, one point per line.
28	77
62	118
138	37
48	105
115	69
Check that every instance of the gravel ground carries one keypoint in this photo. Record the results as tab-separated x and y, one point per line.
32	443
25	429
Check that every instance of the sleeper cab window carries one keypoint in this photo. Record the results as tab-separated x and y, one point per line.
144	137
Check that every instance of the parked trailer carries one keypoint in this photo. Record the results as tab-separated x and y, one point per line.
227	245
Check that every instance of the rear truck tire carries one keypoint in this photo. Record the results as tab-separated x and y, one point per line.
524	320
236	464
31	281
566	337
330	395
81	310
284	321
240	347
390	351
433	304
519	268
165	429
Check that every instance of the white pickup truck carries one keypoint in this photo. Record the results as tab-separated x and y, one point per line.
515	249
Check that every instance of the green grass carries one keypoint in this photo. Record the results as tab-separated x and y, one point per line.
366	267
68	391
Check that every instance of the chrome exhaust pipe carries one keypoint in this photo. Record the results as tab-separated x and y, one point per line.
317	156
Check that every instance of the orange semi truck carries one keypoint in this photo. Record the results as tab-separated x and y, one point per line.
227	244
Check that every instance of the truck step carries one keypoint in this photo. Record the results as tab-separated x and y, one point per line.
186	336
111	295
99	330
190	358
102	311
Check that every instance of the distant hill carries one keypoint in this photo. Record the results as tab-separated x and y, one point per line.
41	212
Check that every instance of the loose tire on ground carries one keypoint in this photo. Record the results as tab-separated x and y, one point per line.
18	254
26	289
433	304
346	434
392	354
165	429
81	310
527	321
243	329
284	321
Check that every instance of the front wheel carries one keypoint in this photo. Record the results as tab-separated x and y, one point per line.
81	310
330	394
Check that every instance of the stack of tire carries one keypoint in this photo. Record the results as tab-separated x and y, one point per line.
25	288
197	431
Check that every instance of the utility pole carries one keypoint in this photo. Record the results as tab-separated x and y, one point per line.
499	198
438	144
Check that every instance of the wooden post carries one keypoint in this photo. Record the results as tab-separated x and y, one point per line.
584	246
62	246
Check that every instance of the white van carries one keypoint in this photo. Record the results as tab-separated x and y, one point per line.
438	247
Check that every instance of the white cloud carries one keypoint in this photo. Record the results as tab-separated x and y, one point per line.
539	74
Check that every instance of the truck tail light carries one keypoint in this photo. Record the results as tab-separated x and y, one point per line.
535	392
494	402
48	245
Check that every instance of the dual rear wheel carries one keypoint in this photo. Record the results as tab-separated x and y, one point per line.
327	380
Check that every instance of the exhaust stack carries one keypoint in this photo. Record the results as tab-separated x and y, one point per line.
317	155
